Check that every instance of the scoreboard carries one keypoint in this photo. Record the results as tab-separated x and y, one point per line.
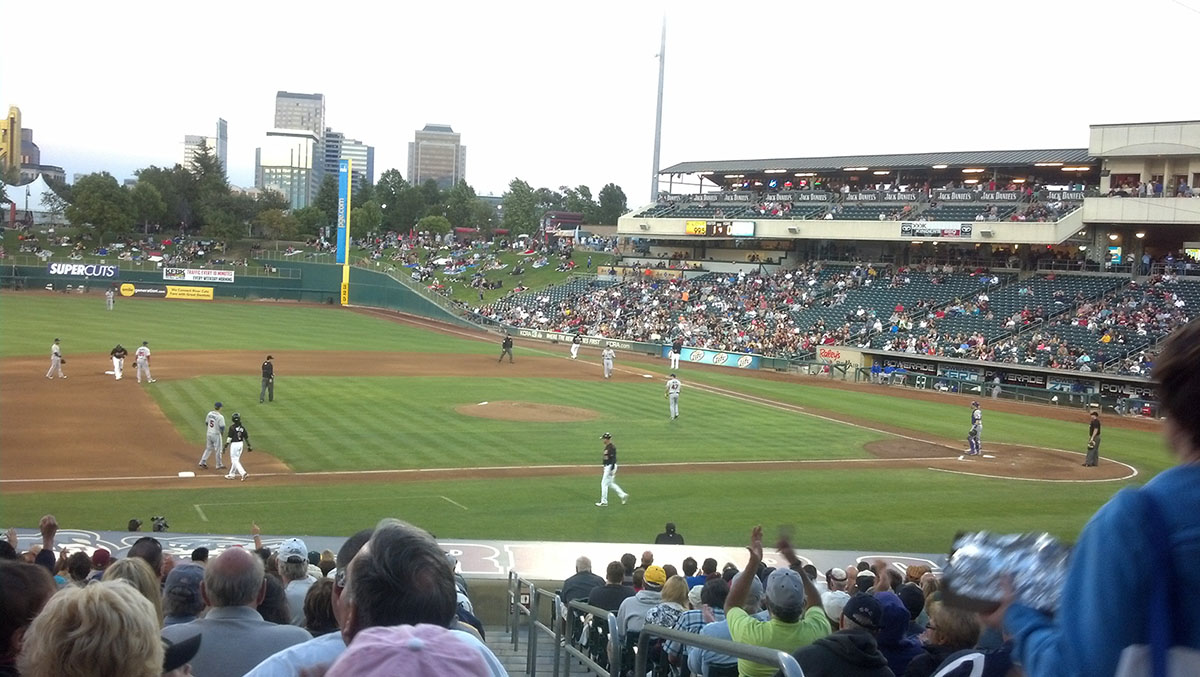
720	228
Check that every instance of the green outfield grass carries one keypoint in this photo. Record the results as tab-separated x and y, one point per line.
325	424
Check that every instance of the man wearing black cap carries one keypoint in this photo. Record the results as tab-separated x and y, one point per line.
268	380
669	536
851	651
610	473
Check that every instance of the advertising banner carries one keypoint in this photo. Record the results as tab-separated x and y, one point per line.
595	341
1027	380
83	270
716	357
741	228
914	366
152	291
343	211
1065	195
1068	385
959	372
1000	196
900	197
197	275
861	197
936	229
193	293
955	195
801	196
840	354
695	227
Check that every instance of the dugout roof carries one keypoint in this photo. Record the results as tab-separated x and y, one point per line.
925	161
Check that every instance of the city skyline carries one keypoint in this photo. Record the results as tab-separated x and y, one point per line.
563	96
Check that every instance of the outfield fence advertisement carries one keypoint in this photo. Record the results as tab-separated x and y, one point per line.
719	358
594	341
197	275
83	270
192	293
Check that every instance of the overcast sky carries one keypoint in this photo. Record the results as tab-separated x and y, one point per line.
563	93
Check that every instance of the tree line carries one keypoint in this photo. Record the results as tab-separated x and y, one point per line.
198	198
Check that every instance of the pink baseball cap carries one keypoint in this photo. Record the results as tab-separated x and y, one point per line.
413	650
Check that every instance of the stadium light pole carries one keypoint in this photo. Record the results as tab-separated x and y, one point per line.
662	60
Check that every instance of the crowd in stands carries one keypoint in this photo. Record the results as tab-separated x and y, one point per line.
388	603
1152	188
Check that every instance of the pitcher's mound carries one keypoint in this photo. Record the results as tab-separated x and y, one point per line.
505	410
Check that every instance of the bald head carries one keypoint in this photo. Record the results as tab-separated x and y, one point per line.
583	564
647	559
234	578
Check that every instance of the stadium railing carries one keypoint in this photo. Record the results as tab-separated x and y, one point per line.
1053	265
983	389
567	644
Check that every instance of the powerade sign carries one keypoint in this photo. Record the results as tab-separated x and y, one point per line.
718	358
83	270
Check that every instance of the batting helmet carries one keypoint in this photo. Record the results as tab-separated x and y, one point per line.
237	418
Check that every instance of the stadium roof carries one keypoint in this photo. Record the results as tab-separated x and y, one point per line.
981	158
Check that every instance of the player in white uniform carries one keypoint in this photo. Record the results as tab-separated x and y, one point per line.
55	361
238	438
608	356
575	343
142	358
118	358
108	298
673	386
214	436
973	440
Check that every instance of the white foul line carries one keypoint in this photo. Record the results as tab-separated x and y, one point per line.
1038	479
450	500
200	512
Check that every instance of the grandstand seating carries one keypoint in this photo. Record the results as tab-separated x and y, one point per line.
867	212
966	212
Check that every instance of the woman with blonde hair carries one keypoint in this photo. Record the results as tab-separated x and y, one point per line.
949	630
107	629
674	603
137	572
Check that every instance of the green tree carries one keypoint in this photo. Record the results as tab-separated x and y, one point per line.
548	200
459	201
276	224
612	204
367	218
327	198
387	194
52	204
364	192
270	199
309	220
178	190
431	194
100	202
520	213
434	224
408	209
579	199
148	203
483	216
207	172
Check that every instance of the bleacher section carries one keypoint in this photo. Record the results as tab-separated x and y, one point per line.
857	212
968	212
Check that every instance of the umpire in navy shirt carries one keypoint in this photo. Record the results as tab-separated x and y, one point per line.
268	380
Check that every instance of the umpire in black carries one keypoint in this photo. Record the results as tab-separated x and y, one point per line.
506	348
268	380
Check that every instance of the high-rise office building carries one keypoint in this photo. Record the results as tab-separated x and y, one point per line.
294	110
289	163
437	153
218	146
362	157
222	141
10	140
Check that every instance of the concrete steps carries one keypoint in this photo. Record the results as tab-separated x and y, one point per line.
500	642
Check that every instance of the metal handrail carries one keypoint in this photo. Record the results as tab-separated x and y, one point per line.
771	657
613	648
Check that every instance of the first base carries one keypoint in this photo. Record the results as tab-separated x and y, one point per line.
187	473
481	404
647	375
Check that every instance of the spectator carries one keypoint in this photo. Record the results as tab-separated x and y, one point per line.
101	559
318	653
914	600
327	562
236	638
580	585
709	569
24	589
402	577
674	603
632	614
138	574
610	595
318	609
836	597
647	560
149	549
79	565
701	661
181	594
200	556
274	607
424	650
894	642
852	650
104	629
949	630
177	656
1096	620
797	618
669	536
628	561
689	572
711	600
293	569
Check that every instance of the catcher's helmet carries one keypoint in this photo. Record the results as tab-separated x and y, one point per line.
237	418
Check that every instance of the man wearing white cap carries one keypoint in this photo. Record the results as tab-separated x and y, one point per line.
293	568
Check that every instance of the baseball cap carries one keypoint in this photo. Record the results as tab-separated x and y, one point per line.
694	595
864	610
145	343
56	339
177	654
101	557
655	575
672	375
785	589
974	404
606	436
270	357
837	574
913	598
834	602
409	649
183	585
216	405
293	550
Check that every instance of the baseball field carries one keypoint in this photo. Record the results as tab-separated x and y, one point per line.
381	415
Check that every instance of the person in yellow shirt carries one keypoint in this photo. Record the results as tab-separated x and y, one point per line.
797	617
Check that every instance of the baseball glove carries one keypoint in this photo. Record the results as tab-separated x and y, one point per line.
62	361
1091	445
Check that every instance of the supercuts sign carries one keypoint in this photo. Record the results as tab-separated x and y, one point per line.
83	270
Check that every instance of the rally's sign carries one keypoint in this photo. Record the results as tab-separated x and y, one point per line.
936	229
197	275
83	270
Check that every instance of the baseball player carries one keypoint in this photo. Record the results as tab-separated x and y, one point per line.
56	361
673	386
268	380
238	437
976	429
610	473
141	358
214	433
109	295
575	343
608	356
118	357
676	350
506	349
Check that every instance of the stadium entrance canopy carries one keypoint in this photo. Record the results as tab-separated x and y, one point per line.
1053	167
